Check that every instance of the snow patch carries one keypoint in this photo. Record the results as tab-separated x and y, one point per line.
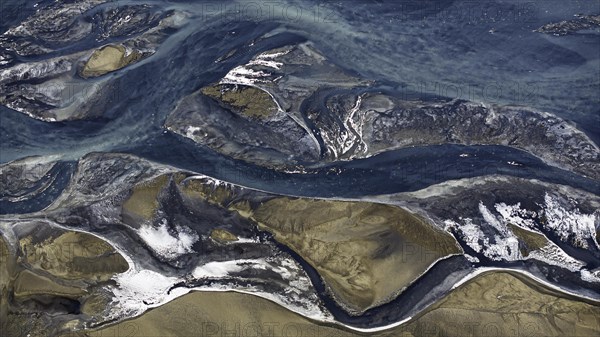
553	255
191	130
244	75
164	243
503	246
570	225
220	269
138	290
590	276
496	241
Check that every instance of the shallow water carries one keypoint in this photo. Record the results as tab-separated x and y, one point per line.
484	52
443	49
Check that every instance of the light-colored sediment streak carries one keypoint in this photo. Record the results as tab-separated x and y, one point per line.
511	297
141	288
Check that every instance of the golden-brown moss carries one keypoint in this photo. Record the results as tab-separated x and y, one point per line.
107	59
222	235
74	255
247	100
30	284
492	304
143	201
367	253
530	241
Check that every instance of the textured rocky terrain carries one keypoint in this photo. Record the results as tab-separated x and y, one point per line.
580	23
489	304
57	88
325	114
155	233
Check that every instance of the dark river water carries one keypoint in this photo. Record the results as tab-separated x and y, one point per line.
481	51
